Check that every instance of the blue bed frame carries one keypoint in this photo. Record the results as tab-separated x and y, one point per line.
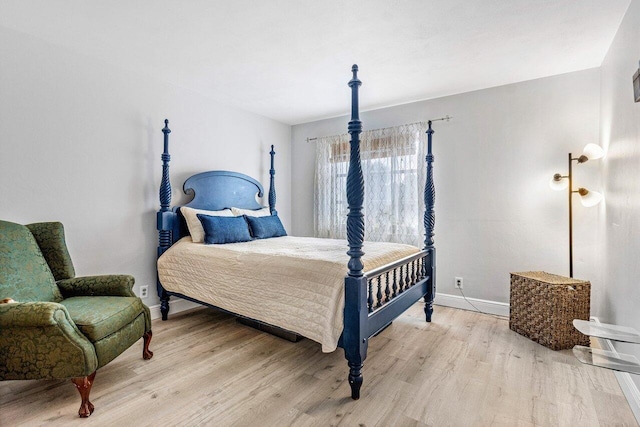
372	300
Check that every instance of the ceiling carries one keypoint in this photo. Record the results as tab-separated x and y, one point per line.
290	60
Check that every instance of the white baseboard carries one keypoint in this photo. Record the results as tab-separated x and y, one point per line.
176	305
485	306
629	388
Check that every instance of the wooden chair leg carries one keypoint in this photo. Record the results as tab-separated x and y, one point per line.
83	384
146	353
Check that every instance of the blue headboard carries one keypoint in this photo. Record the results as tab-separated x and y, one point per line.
215	190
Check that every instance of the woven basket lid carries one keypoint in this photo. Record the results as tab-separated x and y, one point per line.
553	279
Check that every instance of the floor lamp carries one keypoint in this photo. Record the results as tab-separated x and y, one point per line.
587	198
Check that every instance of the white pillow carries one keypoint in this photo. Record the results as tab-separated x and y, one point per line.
193	223
251	212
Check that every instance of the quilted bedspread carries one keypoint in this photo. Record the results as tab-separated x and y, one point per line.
295	283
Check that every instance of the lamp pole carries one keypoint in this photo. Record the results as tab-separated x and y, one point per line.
570	219
589	198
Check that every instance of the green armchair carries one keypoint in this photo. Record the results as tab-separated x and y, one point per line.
54	325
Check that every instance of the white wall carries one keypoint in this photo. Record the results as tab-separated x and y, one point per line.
495	212
80	142
620	135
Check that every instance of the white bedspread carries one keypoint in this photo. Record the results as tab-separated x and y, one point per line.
296	283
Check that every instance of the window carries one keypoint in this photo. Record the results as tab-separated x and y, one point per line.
394	172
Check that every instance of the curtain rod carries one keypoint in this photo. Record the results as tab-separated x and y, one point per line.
447	118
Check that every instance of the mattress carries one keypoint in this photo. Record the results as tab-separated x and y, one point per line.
295	283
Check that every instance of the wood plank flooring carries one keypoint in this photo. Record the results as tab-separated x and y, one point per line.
463	369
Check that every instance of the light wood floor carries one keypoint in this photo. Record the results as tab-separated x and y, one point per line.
463	369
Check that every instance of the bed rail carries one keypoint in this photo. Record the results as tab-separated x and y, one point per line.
387	282
393	288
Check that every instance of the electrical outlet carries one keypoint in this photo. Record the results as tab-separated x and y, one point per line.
144	291
458	282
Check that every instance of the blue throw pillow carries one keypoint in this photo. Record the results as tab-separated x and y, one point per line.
263	227
224	229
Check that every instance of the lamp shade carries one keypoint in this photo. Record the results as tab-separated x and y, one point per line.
590	198
593	151
558	182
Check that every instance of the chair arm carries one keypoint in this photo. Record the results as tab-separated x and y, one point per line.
32	314
38	340
116	285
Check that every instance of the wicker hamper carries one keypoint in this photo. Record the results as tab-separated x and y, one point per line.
544	305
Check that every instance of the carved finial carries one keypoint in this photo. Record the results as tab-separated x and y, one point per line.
354	80
166	126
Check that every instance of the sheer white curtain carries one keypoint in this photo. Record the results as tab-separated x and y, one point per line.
394	173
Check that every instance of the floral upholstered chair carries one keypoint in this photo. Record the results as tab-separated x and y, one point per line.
54	325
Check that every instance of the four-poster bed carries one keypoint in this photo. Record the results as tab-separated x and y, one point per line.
297	284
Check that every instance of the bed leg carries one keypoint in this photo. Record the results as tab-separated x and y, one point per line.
355	379
354	340
428	307
431	290
428	300
164	306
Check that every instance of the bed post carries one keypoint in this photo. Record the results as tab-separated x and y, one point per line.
355	340
164	217
429	224
272	185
